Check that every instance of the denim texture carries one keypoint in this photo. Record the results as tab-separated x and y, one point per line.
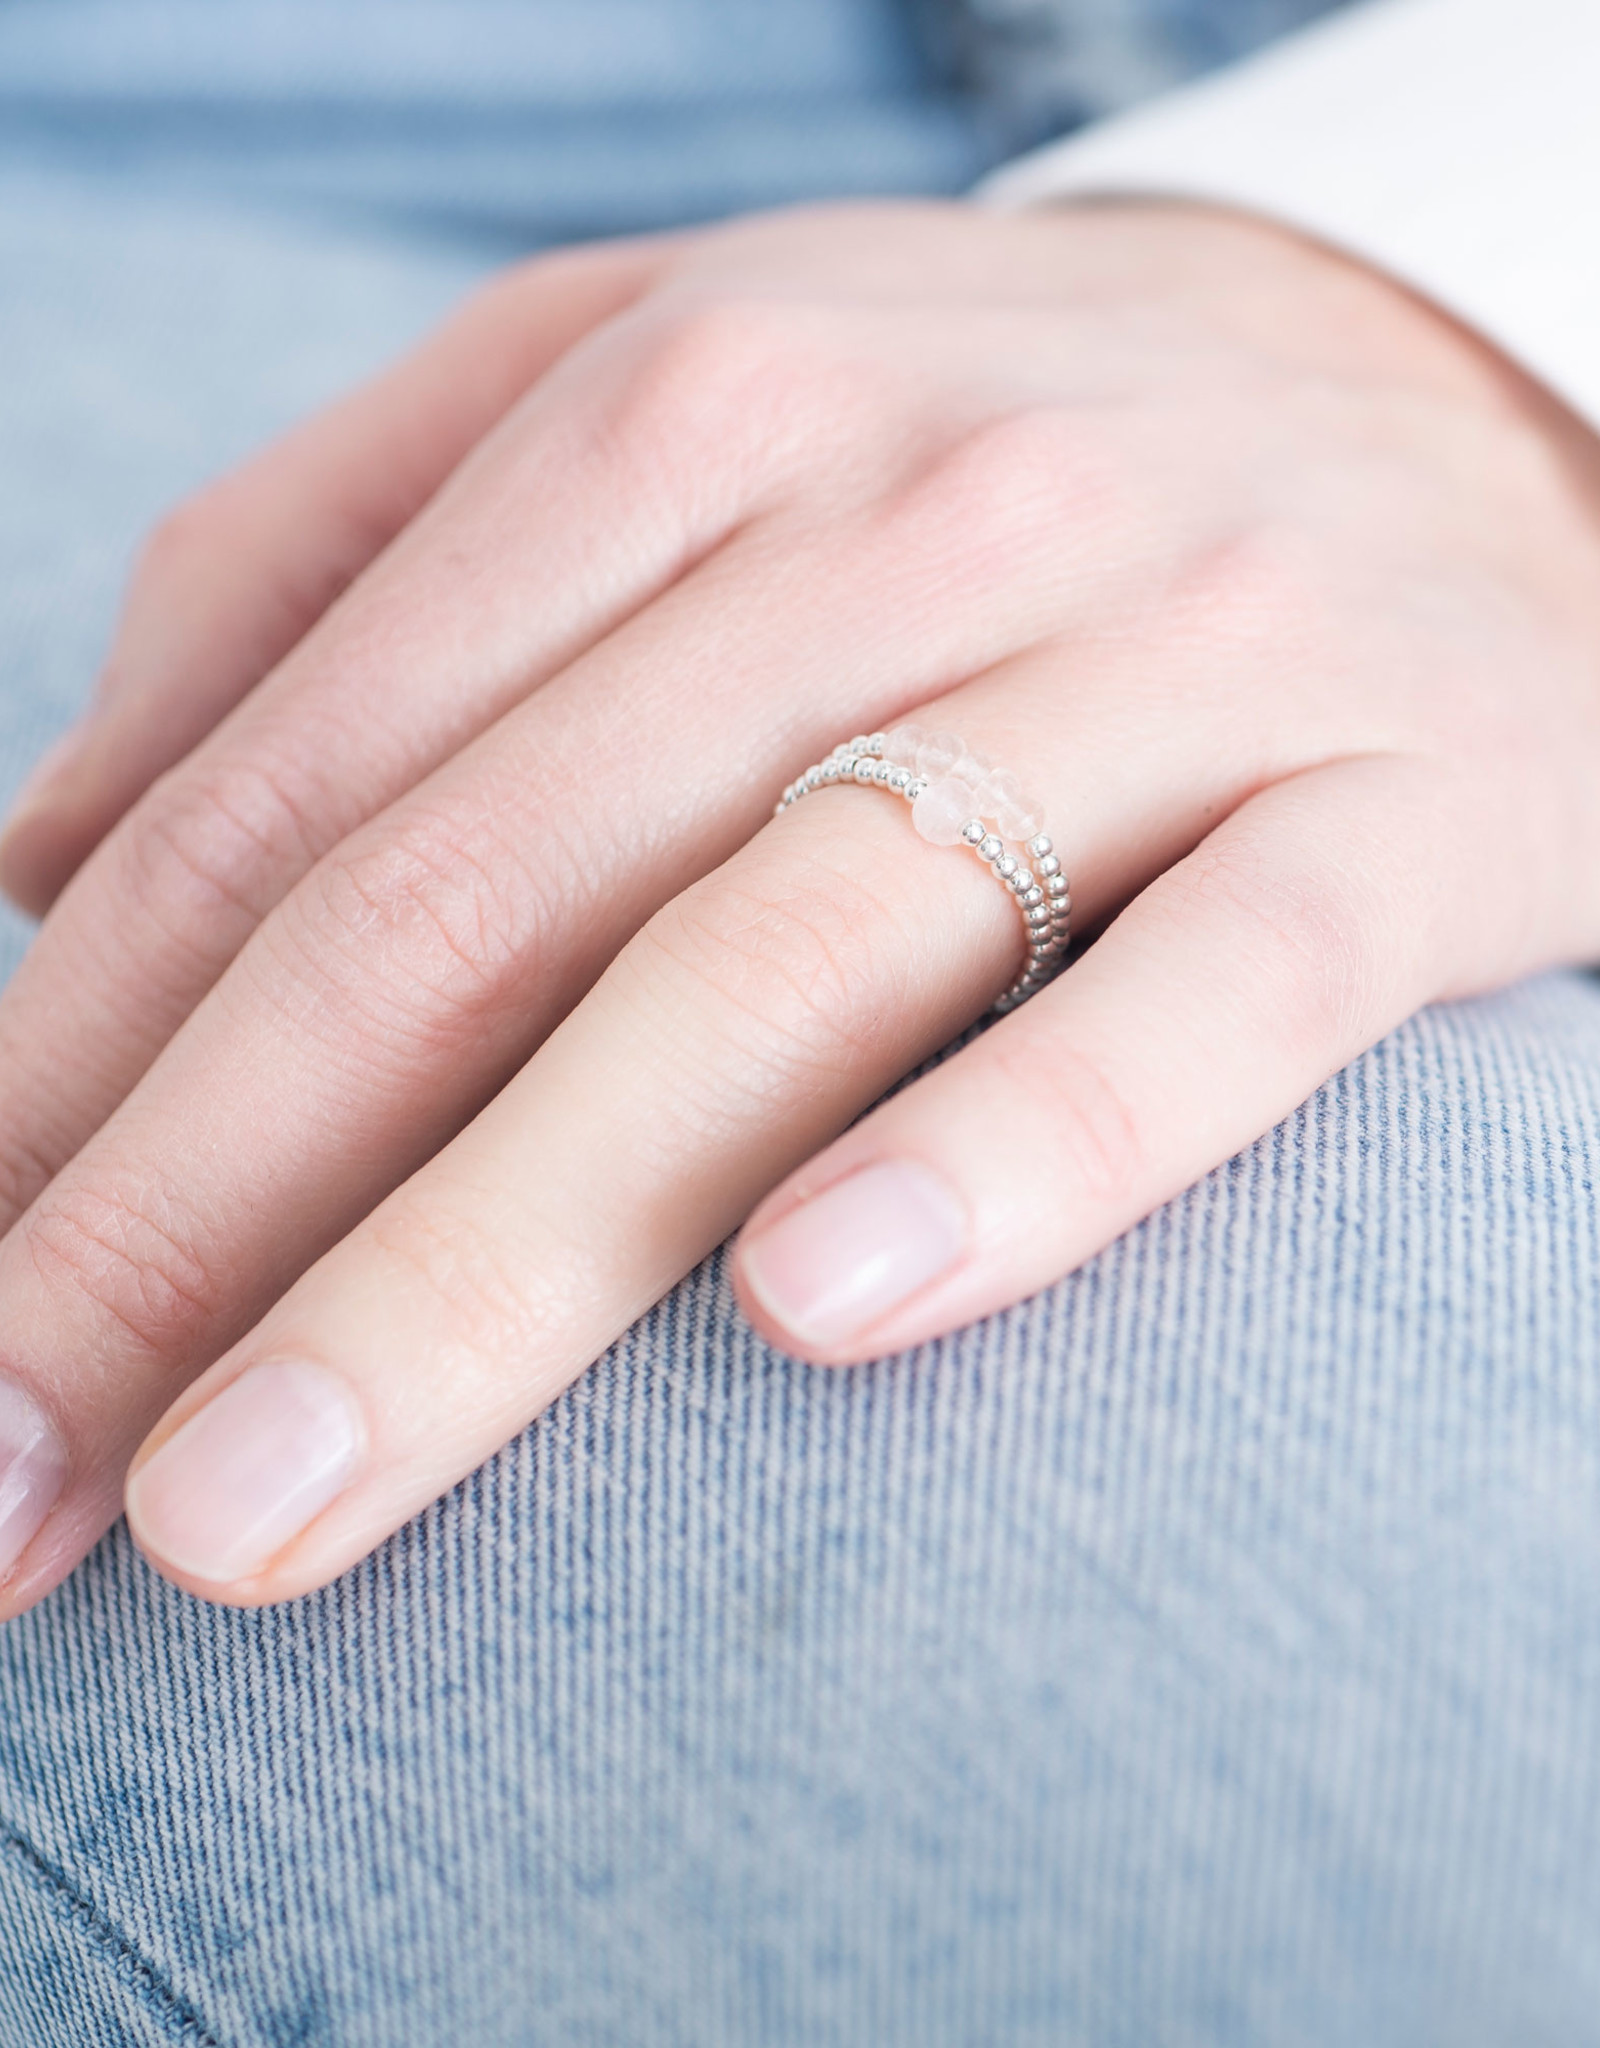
1206	1651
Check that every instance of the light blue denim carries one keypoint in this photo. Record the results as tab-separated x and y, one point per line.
1205	1652
1041	65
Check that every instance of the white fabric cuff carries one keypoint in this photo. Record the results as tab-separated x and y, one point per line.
1453	143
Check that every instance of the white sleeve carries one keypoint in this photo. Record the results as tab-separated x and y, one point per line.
1453	143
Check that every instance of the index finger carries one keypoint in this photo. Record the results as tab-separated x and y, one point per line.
235	576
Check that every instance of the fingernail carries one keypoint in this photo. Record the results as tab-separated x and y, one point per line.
48	766
33	1468
242	1478
832	1267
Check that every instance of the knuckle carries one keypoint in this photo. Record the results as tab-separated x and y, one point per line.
1258	587
428	924
184	534
1082	1116
204	853
132	1249
521	293
1305	934
515	295
725	376
794	959
717	345
1016	484
492	1301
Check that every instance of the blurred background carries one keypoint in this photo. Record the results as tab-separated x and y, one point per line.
528	120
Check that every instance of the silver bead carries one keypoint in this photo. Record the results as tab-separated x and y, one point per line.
1040	890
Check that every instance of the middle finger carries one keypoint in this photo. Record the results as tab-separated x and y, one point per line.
409	974
744	1026
427	649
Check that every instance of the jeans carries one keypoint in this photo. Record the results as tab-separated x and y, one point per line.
1206	1651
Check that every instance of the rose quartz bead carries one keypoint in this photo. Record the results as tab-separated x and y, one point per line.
900	743
995	789
941	811
1020	819
939	753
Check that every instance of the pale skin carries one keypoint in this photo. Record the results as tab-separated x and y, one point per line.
426	985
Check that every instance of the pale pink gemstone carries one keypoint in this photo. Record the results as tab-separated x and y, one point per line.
900	743
992	787
941	811
1021	818
939	753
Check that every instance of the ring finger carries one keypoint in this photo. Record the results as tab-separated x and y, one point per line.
751	1019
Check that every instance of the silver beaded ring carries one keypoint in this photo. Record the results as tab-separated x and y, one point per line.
956	797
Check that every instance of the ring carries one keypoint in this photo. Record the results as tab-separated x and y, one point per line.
958	798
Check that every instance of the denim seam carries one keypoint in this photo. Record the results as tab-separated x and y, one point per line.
152	1989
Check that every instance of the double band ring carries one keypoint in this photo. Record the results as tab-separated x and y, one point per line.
958	798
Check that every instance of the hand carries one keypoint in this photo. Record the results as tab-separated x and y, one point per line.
440	988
